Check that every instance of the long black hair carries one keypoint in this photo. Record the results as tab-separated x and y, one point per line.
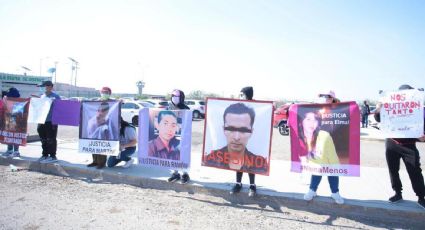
124	124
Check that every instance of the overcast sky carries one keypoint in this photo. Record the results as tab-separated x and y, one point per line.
284	49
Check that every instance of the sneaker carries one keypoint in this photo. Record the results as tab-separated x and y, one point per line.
92	164
174	177
309	195
7	153
42	159
15	154
396	198
185	178
128	163
252	191
338	199
50	160
421	203
237	188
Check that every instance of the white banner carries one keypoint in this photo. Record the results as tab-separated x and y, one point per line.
165	138
402	114
99	147
39	109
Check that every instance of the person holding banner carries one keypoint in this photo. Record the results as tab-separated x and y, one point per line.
313	137
48	131
404	148
128	142
177	103
99	160
238	128
12	149
246	93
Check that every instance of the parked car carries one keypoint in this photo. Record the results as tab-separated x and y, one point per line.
197	107
130	111
280	119
77	98
158	103
371	119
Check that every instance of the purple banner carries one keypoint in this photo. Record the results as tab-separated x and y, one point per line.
66	112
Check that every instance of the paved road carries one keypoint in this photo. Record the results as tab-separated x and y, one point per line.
31	200
372	151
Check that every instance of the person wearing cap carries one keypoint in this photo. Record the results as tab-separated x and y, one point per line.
246	93
12	149
404	148
177	103
99	160
328	97
48	131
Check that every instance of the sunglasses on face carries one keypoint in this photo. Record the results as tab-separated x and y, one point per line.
234	129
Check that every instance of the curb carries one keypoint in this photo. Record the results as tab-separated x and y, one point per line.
276	200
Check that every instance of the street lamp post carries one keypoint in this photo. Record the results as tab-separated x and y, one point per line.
74	67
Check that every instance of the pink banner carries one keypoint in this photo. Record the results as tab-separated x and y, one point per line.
325	139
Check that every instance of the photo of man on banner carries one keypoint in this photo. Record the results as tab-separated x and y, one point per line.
325	139
100	120
240	140
165	138
99	127
163	143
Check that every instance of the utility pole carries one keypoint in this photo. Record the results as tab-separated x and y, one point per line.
74	65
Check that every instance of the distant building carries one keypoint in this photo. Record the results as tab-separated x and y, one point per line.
27	85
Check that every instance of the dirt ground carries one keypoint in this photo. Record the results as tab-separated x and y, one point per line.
31	200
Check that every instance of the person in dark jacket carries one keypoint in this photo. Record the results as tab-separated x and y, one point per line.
365	113
404	148
246	93
12	149
177	103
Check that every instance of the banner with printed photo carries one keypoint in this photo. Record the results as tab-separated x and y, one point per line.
165	138
402	114
39	109
13	124
66	112
99	127
325	139
237	135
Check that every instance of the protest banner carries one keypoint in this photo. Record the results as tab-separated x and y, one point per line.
99	127
13	124
325	139
66	112
402	114
39	109
165	138
237	135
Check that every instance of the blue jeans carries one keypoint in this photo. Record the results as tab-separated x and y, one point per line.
124	156
12	147
333	183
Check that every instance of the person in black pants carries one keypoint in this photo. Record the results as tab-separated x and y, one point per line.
246	93
405	149
365	113
48	131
